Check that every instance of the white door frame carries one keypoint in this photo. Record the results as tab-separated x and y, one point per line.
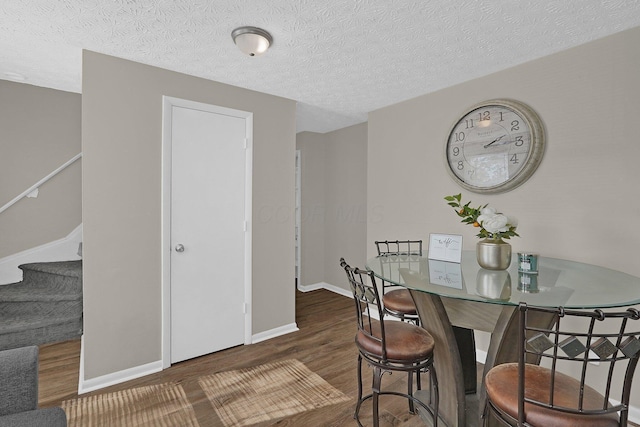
167	104
298	215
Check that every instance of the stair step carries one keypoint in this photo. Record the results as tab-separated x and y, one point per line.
58	330
17	323
46	306
23	292
58	275
61	268
41	308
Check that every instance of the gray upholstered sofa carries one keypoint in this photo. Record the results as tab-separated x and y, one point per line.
19	391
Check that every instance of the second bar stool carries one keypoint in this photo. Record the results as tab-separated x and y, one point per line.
396	300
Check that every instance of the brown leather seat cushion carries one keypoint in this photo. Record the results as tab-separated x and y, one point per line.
501	383
405	342
400	301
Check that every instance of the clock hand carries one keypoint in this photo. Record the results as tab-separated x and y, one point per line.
494	141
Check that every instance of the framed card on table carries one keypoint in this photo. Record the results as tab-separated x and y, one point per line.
445	247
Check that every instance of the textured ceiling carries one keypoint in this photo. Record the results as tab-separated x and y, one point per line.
339	59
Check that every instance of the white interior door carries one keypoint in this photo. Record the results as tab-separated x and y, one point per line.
208	226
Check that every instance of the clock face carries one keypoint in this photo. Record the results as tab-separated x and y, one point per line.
495	146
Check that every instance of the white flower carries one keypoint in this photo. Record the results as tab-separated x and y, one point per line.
487	211
493	222
492	225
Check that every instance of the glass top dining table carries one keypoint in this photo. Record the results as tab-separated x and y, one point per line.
558	282
455	299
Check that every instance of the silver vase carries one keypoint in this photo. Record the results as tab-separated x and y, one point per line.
494	284
493	254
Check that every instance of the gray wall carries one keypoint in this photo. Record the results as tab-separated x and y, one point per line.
313	161
121	142
39	131
346	199
581	204
334	208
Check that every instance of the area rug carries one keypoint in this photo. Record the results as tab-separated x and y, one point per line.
155	405
267	392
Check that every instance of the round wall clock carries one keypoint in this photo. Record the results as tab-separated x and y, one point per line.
495	146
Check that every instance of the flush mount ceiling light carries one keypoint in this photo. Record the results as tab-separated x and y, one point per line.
252	40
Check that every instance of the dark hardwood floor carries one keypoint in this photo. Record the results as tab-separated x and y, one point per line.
324	344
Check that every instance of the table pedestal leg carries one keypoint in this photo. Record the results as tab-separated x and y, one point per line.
467	348
455	354
433	317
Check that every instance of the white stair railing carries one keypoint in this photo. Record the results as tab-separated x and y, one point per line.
35	186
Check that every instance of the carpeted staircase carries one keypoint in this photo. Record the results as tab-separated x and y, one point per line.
45	307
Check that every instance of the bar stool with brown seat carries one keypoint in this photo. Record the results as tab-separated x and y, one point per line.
397	301
388	346
533	392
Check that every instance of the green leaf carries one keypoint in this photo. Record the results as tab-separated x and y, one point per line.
470	216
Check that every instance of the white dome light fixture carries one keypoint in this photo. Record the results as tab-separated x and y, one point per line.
252	40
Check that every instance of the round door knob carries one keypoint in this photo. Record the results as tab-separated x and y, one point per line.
179	248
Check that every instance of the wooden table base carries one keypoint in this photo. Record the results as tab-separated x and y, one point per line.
451	322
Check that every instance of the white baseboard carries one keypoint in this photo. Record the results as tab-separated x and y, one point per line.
282	330
119	377
481	356
327	286
85	386
93	384
634	414
65	249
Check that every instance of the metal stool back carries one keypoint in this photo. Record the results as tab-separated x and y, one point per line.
575	368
